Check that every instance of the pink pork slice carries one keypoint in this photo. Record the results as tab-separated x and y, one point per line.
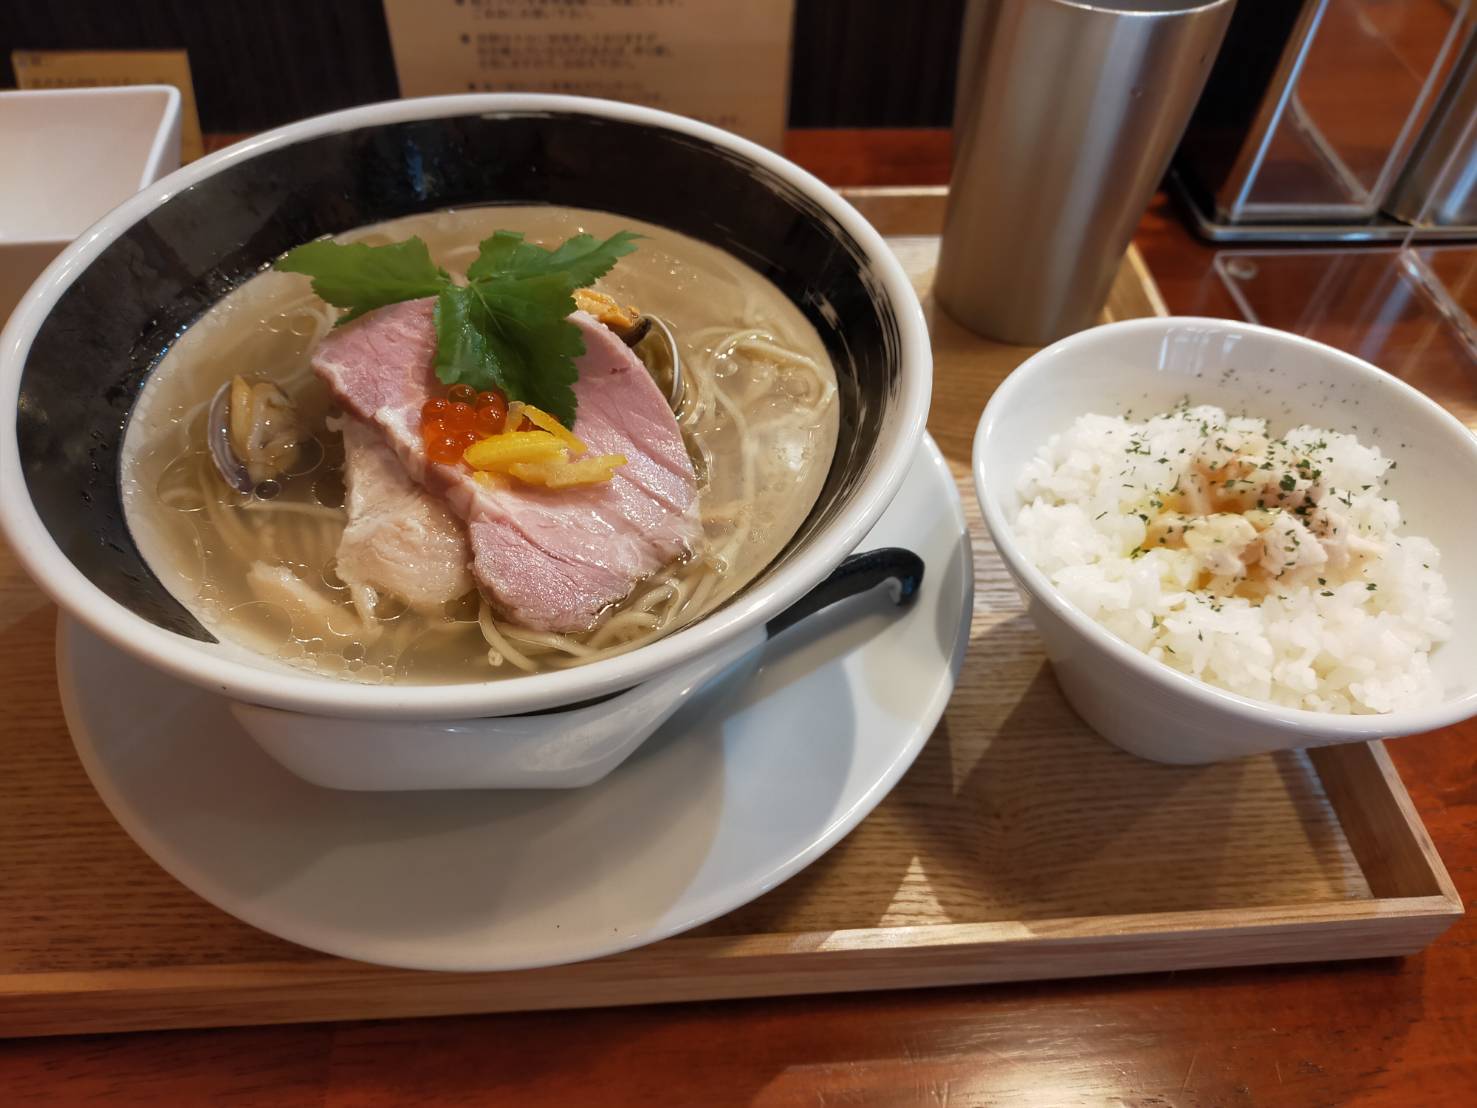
546	559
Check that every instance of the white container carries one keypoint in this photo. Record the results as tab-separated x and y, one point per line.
71	156
1150	365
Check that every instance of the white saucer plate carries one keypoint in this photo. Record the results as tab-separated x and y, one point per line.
759	776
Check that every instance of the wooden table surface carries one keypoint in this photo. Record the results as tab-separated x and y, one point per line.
1377	1033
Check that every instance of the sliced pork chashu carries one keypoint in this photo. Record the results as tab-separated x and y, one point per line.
546	559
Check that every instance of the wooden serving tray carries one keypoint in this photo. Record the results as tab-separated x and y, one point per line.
1019	845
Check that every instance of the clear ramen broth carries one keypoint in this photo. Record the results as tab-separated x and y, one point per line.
759	418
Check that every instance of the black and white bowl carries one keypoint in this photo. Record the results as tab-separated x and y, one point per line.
82	342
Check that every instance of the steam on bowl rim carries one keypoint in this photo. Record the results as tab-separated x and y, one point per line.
210	666
1322	727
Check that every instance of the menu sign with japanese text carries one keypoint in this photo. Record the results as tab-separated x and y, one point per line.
720	61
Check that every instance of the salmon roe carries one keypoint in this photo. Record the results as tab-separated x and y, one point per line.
491	412
445	449
451	423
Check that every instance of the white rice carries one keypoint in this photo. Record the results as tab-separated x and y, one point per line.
1341	613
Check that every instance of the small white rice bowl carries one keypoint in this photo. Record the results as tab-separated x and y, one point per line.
1352	638
1304	671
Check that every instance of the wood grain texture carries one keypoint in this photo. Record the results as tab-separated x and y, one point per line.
1380	823
1019	846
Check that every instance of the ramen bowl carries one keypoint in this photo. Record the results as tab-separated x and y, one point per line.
82	342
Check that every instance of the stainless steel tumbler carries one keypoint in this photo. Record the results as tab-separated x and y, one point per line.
1066	116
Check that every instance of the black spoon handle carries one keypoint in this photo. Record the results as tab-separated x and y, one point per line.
857	574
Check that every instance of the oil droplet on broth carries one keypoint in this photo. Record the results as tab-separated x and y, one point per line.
387	608
302	324
793	385
330	576
464	609
178	486
310	455
330	664
328	490
268	623
344	622
191	566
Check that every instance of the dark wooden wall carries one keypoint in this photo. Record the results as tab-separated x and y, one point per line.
874	63
255	63
258	63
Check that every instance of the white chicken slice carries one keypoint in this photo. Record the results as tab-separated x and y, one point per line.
1288	546
1218	543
